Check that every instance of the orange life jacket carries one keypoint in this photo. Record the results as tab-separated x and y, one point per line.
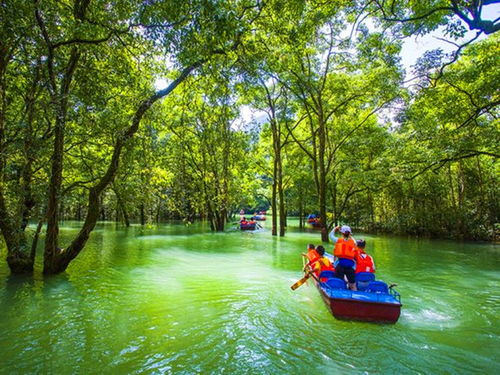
312	255
364	262
345	248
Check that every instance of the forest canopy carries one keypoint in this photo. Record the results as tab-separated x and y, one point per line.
132	111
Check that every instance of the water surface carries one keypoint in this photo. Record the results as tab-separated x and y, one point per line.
179	299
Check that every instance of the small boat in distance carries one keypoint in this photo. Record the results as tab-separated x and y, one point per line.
314	221
248	226
261	216
374	301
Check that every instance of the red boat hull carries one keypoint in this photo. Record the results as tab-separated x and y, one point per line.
347	309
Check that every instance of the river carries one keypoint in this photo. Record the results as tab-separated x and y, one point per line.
178	299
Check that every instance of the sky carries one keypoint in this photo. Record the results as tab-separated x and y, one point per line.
414	47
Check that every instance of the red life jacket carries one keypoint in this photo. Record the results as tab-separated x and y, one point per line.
324	265
345	248
364	263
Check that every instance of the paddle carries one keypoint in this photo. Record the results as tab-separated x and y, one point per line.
301	281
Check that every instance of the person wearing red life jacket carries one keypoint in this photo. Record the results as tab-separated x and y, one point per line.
364	262
344	254
322	263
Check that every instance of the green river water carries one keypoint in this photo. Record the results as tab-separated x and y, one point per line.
180	300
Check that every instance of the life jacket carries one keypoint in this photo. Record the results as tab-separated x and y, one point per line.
345	248
312	255
322	264
364	262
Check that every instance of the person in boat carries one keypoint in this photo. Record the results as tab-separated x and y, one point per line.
244	221
322	263
252	221
312	255
364	262
344	254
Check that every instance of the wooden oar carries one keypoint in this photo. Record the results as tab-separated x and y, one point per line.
301	281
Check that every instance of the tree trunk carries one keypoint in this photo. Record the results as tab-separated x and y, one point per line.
143	216
281	198
274	202
52	251
301	212
322	181
19	259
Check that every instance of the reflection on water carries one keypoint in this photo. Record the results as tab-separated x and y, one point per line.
179	299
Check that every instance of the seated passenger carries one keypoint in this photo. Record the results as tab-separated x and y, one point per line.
322	263
244	221
364	262
312	255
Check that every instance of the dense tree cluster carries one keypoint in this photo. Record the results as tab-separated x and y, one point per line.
87	133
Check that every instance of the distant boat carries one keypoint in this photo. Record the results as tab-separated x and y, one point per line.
373	302
315	222
248	226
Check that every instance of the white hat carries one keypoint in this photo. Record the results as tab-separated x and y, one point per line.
345	229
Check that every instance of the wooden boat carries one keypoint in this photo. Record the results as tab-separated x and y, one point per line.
373	302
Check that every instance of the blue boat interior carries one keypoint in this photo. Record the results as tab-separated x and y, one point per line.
335	283
369	289
377	287
326	275
363	279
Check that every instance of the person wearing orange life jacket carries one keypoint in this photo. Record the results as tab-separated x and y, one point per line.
345	255
312	255
322	263
364	262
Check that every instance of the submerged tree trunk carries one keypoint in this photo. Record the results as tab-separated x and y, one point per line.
322	180
143	215
281	195
19	257
274	202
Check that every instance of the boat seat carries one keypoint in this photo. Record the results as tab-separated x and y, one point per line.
377	287
326	275
363	279
336	283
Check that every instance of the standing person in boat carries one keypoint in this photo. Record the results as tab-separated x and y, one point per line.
364	262
345	255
